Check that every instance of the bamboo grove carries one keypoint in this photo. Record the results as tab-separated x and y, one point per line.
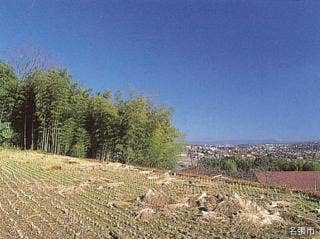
47	110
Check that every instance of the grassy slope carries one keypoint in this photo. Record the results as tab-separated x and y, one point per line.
45	196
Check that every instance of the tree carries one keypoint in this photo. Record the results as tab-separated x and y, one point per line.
28	59
53	89
134	122
101	125
75	139
8	86
164	141
147	136
27	62
44	109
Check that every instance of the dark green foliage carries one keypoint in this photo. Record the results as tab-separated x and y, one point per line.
132	131
6	133
229	165
8	87
48	111
147	135
233	164
101	124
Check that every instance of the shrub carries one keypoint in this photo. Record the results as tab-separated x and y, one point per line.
229	165
6	133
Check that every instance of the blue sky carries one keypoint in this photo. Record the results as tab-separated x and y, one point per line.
230	69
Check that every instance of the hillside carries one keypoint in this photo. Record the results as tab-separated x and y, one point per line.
48	196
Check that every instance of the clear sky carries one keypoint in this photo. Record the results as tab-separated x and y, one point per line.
230	69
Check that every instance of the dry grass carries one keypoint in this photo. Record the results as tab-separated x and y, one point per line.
88	199
53	167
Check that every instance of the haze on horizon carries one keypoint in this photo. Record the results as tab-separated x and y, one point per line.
231	70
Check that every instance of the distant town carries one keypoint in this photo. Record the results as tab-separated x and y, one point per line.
295	165
303	151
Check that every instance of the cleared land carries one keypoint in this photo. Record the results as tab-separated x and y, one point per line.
46	196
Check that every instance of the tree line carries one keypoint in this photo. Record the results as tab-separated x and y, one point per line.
238	164
45	109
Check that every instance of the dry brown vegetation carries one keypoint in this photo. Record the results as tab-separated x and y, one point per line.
48	196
